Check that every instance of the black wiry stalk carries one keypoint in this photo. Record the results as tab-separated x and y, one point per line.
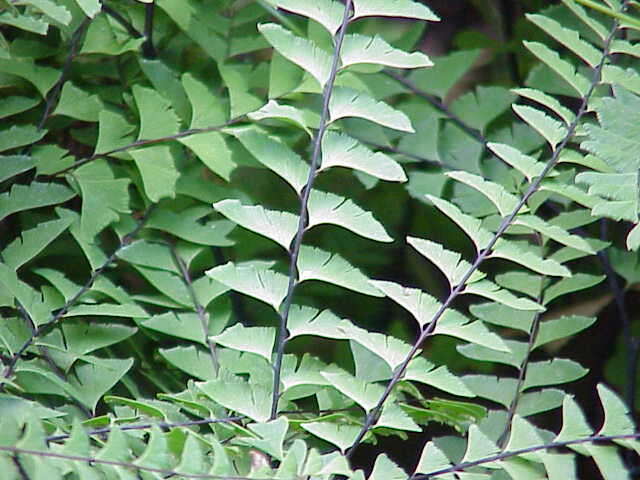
203	316
304	212
55	318
435	101
147	426
148	48
128	26
485	253
524	366
143	143
165	472
536	448
54	93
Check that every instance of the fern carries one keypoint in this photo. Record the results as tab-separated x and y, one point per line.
209	236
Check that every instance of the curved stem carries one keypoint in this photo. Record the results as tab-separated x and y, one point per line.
485	253
304	212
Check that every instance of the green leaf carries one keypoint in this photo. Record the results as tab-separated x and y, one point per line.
340	435
432	459
300	51
392	8
131	310
327	13
15	104
527	258
185	325
104	197
480	107
564	69
289	114
548	101
158	170
447	70
12	165
552	130
90	7
616	139
364	394
250	399
188	226
19	136
326	207
254	281
504	201
554	232
567	37
421	305
340	150
34	195
114	131
553	372
362	49
317	264
525	164
615	194
193	361
490	290
55	12
212	149
577	282
83	337
305	320
236	78
274	155
385	469
278	226
207	109
388	348
551	330
92	377
470	225
273	434
347	102
517	353
456	325
421	370
450	263
157	118
78	104
33	241
258	340
478	446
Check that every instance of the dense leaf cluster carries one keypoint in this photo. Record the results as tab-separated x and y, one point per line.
204	207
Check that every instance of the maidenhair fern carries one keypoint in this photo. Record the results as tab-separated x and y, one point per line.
197	195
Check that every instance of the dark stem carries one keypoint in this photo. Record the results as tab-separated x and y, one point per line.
524	366
148	49
304	213
146	426
142	143
203	316
55	318
168	473
485	252
128	26
546	446
54	94
438	104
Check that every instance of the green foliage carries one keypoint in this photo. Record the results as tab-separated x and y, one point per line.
212	211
